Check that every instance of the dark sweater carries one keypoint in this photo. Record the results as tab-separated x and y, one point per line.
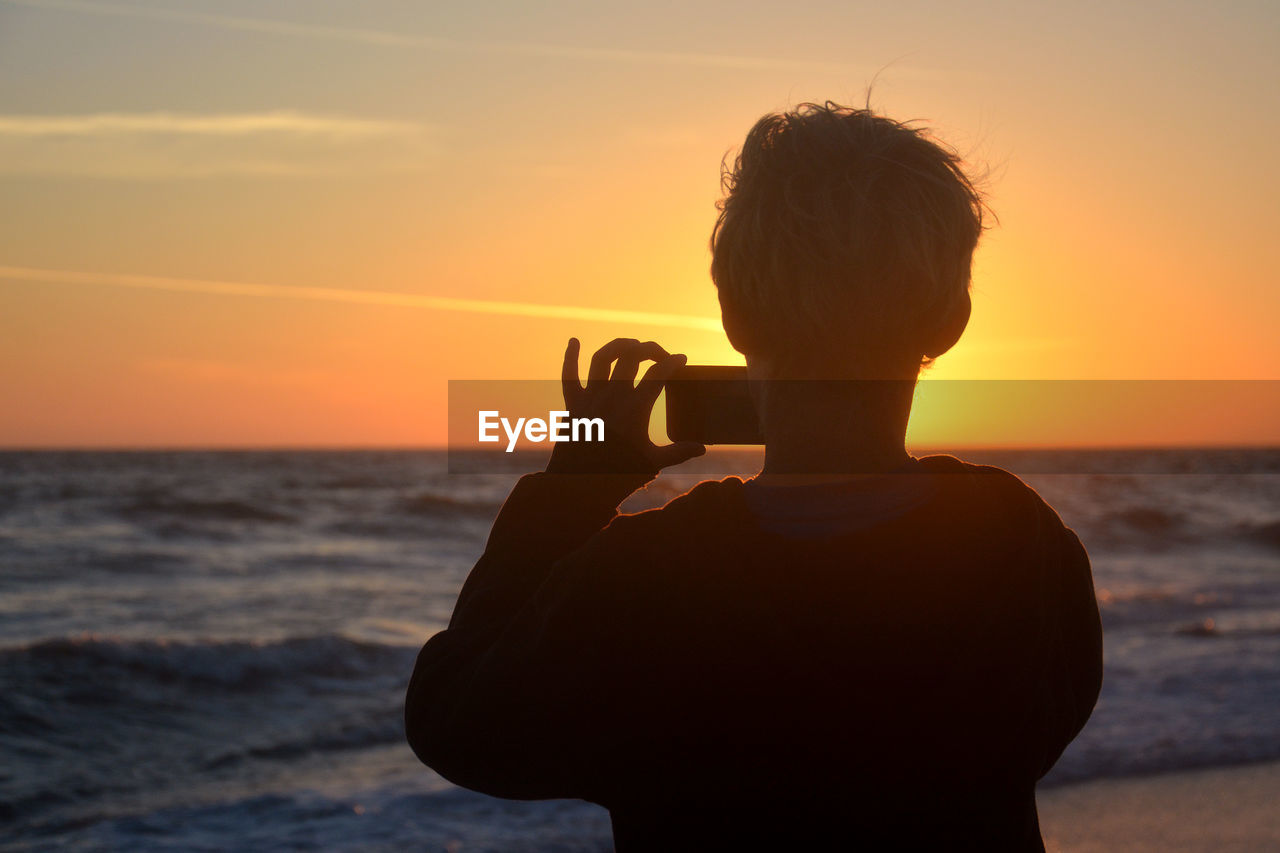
719	686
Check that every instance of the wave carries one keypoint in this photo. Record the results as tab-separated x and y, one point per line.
202	510
1209	627
414	813
405	517
1266	533
1157	530
432	504
180	714
237	665
386	727
1148	520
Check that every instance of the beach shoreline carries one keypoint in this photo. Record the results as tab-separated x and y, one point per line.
1220	809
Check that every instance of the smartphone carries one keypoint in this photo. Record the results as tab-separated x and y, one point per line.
711	405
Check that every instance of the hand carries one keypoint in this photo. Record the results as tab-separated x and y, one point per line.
625	409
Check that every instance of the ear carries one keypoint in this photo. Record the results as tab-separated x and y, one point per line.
734	328
952	328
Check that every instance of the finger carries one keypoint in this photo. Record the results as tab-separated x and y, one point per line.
629	360
656	377
569	382
605	356
674	454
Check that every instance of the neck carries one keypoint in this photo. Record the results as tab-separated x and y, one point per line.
834	429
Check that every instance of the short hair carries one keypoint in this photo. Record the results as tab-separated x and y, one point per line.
842	234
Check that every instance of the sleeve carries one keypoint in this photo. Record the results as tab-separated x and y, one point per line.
508	699
1039	642
1069	641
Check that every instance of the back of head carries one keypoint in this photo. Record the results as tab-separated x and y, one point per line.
844	243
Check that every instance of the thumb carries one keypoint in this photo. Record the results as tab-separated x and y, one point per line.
674	454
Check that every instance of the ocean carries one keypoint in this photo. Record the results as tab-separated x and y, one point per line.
208	650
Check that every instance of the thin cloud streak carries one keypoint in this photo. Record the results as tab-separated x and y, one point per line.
393	39
191	124
364	297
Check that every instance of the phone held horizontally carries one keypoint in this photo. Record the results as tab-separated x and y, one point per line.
711	405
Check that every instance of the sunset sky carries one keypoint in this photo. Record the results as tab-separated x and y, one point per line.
279	223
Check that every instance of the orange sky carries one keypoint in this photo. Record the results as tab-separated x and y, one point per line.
480	165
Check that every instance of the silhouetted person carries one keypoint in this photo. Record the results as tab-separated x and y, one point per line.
855	649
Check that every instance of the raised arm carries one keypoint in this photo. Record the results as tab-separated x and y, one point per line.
496	700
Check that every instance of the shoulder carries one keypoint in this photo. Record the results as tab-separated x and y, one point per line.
946	464
984	483
999	503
